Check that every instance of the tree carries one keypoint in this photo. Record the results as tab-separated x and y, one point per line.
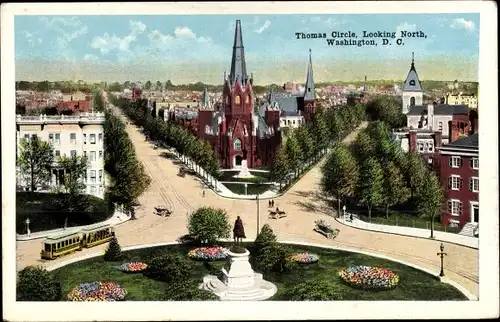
35	283
317	290
395	190
321	131
364	146
280	166
430	200
187	291
340	173
75	168
265	237
306	143
147	86
168	268
415	173
158	85
35	160
371	184
208	224
275	258
114	252
98	102
293	152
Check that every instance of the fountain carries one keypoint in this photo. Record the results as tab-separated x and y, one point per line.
244	173
238	281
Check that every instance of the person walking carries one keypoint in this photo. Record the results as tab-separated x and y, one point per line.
238	231
203	193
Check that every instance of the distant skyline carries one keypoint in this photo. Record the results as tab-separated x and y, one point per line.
188	49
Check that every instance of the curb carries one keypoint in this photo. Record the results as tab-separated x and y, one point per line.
406	235
76	228
459	287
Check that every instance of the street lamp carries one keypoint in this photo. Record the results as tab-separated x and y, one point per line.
28	226
343	208
441	254
258	213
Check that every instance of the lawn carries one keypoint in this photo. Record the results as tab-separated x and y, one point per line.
47	211
413	285
252	189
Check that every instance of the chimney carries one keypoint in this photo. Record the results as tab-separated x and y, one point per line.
430	115
453	131
438	139
413	140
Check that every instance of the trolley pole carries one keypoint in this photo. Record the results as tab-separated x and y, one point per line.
258	214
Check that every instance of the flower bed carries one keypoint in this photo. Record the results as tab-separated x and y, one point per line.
97	292
208	253
369	278
132	267
305	258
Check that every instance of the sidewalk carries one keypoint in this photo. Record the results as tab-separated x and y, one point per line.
471	242
117	218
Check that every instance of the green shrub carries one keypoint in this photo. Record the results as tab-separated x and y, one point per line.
313	291
237	249
114	251
168	268
265	237
275	258
208	224
187	291
37	284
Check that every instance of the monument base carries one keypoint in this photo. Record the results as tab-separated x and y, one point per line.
244	172
240	282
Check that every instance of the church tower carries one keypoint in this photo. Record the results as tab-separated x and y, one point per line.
412	91
309	93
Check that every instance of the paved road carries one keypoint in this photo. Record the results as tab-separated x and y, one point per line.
301	203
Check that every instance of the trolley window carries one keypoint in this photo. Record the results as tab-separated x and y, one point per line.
47	247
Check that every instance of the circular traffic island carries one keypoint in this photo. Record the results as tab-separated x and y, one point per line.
337	275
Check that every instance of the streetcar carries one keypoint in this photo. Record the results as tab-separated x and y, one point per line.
68	242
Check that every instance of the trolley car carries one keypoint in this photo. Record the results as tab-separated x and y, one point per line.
68	242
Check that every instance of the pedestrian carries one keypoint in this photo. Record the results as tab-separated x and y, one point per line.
269	204
272	203
238	230
350	217
203	193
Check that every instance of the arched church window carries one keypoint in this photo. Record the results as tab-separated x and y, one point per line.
237	144
237	100
412	101
412	82
247	99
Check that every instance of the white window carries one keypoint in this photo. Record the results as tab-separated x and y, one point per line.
293	122
92	138
86	175
72	138
455	162
474	163
420	147
85	153
51	138
84	138
57	153
26	136
474	184
99	137
100	175
93	190
455	182
92	176
92	156
440	126
100	155
430	147
237	145
58	138
73	153
455	207
100	190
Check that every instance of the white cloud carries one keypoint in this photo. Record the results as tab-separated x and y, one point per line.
107	43
184	32
461	23
31	38
66	29
405	26
266	25
90	57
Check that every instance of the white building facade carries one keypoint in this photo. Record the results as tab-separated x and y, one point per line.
412	92
81	135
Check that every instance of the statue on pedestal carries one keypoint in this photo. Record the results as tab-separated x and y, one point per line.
238	231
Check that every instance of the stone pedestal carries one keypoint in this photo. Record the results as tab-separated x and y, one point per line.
244	173
238	281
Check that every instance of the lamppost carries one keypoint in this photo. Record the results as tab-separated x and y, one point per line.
258	213
28	226
343	208
441	254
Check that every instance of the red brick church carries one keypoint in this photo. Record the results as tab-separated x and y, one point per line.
241	134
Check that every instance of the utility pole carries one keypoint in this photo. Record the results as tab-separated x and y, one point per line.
258	214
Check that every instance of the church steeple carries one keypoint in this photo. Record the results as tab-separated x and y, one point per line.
204	98
412	83
270	95
238	64
309	94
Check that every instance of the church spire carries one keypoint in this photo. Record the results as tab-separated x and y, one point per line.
412	82
238	64
309	94
205	98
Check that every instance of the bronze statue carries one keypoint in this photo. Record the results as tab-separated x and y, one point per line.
238	231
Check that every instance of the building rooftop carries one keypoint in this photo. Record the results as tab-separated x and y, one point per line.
471	141
441	109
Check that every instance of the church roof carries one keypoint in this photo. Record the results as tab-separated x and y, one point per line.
309	93
412	82
238	64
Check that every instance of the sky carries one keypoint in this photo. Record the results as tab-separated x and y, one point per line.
188	49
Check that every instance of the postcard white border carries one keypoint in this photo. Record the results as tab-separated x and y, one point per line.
487	306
